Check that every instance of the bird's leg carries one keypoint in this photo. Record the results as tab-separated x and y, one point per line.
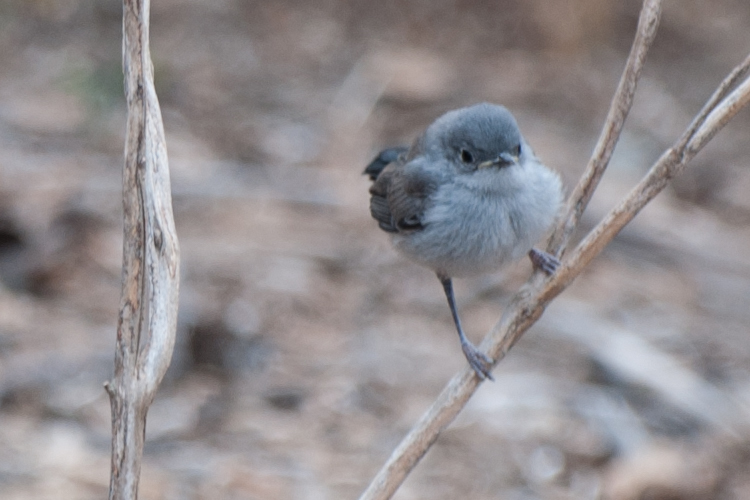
479	361
545	262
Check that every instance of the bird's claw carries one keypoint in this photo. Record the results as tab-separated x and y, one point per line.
545	262
479	361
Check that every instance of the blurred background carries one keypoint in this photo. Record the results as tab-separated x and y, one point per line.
306	346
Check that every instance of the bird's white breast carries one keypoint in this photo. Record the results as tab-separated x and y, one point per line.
478	223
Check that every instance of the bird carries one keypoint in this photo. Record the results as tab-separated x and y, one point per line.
468	197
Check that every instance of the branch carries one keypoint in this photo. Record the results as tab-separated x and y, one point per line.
529	303
150	268
648	23
671	163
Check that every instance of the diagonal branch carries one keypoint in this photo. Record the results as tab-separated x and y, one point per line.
529	303
719	94
671	163
648	23
150	268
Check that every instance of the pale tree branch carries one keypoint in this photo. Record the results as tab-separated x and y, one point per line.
730	82
529	303
150	270
671	163
622	101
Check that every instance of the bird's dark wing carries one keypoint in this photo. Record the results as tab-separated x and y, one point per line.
382	160
399	196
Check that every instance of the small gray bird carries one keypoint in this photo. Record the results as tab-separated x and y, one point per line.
466	198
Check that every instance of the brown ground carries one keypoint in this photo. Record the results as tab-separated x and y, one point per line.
307	347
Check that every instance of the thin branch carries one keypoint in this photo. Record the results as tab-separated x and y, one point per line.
529	303
724	87
150	269
622	101
671	163
719	116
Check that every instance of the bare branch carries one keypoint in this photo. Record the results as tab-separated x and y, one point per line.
719	115
529	303
648	23
150	269
725	87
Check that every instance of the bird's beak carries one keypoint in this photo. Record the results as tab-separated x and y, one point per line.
505	159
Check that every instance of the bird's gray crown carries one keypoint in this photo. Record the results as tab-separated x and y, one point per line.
486	130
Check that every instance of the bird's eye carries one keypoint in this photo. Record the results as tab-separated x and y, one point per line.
516	151
466	156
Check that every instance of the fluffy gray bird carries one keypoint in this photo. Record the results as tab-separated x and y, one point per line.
466	198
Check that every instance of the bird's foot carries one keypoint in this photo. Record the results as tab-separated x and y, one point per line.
479	361
545	262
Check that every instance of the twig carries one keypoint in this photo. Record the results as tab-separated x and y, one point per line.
671	162
721	91
622	101
529	303
150	268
